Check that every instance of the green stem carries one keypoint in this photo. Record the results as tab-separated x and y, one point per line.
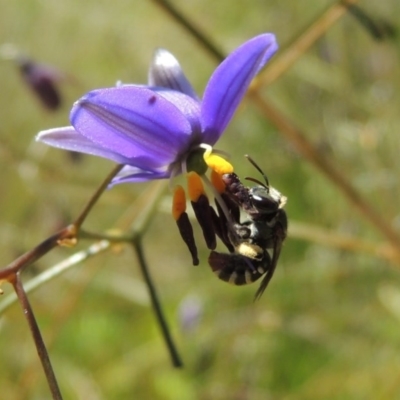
176	360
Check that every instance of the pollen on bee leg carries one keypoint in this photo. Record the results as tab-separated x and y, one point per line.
183	222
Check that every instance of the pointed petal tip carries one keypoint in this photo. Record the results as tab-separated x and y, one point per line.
271	44
42	136
39	136
230	81
165	71
165	58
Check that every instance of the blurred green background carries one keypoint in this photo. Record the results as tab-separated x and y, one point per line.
328	325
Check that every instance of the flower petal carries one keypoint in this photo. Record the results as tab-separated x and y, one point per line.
133	121
189	107
130	174
166	72
230	81
67	138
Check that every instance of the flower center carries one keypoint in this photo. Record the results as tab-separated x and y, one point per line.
202	158
195	162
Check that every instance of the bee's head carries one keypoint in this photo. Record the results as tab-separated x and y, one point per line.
266	200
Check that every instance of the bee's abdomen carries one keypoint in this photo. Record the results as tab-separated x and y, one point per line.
235	268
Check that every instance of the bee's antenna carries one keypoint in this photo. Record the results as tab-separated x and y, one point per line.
259	170
249	178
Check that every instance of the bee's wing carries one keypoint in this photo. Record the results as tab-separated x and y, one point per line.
275	257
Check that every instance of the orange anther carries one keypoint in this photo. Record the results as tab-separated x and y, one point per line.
217	182
195	186
179	202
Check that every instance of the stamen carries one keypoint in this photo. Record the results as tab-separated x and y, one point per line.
183	222
179	202
186	231
184	167
207	148
195	186
222	153
218	164
201	208
175	171
217	181
222	204
214	161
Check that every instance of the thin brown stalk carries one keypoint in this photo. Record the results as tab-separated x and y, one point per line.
36	253
65	235
11	273
37	337
64	312
93	200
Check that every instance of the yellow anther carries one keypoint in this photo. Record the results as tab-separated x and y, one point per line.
179	202
218	164
195	186
217	182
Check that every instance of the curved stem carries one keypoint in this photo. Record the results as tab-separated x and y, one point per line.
37	252
66	235
37	337
176	359
93	200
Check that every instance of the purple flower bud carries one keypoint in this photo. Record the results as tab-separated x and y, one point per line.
43	82
190	312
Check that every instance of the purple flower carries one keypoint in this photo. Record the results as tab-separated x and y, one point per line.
162	129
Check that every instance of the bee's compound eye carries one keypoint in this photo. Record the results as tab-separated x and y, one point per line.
267	201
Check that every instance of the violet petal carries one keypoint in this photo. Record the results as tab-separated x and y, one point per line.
230	81
133	121
166	72
67	138
130	174
189	107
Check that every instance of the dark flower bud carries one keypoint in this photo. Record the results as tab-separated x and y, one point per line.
43	81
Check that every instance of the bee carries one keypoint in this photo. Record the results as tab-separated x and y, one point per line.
255	244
